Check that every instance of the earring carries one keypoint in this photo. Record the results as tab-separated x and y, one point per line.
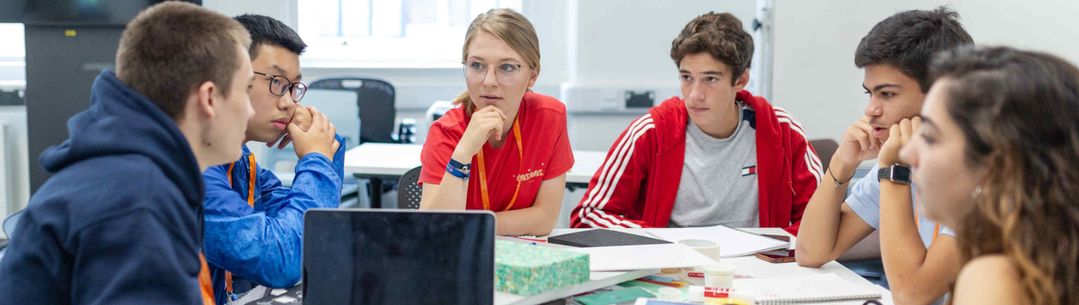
977	192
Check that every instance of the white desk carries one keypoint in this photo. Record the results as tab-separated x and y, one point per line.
756	268
745	266
377	161
383	159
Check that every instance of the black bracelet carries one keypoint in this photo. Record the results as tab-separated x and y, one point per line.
836	180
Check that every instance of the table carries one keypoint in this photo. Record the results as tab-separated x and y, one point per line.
747	265
378	161
751	266
756	268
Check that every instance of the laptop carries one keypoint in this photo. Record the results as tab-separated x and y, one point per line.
386	256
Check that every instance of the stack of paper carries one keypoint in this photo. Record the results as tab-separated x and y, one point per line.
644	257
732	243
657	256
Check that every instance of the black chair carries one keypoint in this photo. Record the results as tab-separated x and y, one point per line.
376	99
10	222
825	149
408	191
9	229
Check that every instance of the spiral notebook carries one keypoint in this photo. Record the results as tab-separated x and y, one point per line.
807	289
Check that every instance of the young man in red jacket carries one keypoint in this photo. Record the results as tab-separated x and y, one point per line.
718	155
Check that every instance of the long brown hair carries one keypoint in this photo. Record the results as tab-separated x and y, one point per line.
509	26
1019	114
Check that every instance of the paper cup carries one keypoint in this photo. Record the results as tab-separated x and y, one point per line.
707	247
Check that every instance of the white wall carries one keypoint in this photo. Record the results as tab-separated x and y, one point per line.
630	41
621	45
16	175
815	77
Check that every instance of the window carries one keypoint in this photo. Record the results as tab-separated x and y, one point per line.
12	55
389	33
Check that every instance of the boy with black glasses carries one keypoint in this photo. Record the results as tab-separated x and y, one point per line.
254	225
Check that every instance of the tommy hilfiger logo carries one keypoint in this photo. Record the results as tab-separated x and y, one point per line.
749	170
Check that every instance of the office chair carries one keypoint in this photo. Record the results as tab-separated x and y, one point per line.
376	99
825	149
408	191
10	222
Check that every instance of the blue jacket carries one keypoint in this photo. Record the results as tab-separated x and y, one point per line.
119	222
262	244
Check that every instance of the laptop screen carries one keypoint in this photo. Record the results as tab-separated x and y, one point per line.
398	257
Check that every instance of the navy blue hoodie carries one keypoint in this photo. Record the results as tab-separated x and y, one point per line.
120	220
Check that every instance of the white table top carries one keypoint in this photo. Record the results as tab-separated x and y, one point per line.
385	159
753	267
744	266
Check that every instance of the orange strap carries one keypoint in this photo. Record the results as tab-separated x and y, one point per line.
250	201
484	195
918	223
206	285
251	184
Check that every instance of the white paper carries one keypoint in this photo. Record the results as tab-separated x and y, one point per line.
732	243
644	257
807	288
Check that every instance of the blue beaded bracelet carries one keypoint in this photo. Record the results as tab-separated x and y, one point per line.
458	169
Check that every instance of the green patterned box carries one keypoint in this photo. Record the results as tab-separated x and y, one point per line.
528	269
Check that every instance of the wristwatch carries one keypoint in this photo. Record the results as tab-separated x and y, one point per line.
897	173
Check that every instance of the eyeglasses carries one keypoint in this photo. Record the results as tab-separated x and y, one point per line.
506	73
279	85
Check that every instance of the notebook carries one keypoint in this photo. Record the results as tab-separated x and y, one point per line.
806	289
603	238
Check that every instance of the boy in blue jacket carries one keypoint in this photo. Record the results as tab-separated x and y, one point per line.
254	225
120	220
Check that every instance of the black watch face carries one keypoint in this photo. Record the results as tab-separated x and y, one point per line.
900	174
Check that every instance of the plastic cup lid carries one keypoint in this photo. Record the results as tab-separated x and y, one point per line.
720	268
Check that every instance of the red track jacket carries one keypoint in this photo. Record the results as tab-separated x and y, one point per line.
637	182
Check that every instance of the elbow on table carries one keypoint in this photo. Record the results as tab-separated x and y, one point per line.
808	259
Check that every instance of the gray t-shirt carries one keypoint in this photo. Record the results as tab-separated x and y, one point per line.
719	178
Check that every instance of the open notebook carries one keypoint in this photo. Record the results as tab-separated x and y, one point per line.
806	289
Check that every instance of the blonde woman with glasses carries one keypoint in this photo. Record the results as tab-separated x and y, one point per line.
504	148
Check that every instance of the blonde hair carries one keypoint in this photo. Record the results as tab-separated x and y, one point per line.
512	28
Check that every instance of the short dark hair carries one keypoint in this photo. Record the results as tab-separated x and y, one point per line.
720	35
266	30
908	40
171	48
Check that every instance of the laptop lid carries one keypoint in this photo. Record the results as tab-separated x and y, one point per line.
398	257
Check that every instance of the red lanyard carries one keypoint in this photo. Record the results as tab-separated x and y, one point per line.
250	201
484	195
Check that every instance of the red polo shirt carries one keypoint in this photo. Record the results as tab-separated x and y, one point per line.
545	152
